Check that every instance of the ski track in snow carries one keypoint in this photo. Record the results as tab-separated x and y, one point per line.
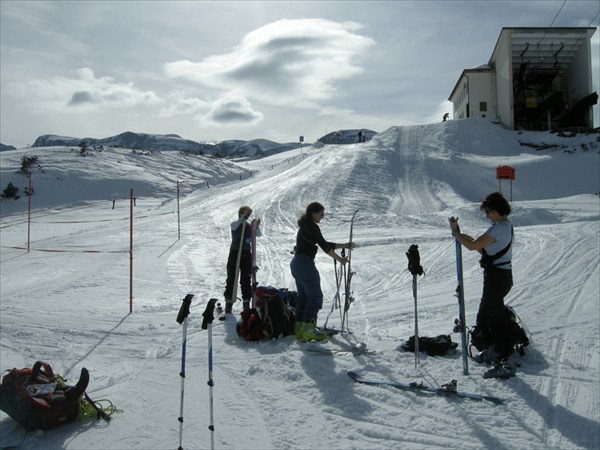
72	309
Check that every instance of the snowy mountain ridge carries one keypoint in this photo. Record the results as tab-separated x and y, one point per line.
170	142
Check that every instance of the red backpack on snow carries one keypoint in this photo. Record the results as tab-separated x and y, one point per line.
36	398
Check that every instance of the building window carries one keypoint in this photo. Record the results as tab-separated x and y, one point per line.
483	106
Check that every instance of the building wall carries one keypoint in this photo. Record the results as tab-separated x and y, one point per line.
474	95
502	62
579	76
460	100
481	101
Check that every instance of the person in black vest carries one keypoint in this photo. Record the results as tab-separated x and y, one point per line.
495	245
245	269
304	271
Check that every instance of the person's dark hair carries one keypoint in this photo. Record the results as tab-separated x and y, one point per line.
314	207
496	202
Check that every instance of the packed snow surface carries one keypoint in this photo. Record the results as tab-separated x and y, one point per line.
67	300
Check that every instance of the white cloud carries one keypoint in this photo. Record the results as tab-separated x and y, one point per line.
233	109
228	109
282	62
184	106
84	91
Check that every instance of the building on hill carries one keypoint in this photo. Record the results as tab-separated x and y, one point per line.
536	79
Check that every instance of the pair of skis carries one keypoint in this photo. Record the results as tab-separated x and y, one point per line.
345	274
348	274
253	227
461	322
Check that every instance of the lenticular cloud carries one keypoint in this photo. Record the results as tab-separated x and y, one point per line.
282	61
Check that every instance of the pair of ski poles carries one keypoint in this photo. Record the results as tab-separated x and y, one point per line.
182	318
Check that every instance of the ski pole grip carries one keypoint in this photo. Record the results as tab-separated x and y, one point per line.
414	260
209	313
184	311
455	220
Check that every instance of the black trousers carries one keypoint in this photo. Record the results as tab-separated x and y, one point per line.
491	317
245	278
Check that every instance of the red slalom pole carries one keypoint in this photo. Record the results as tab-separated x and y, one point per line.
130	251
29	213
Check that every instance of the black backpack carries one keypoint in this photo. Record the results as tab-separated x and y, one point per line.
480	339
272	316
433	346
277	315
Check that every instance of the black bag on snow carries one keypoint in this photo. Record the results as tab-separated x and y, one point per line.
36	398
433	346
481	339
272	316
276	313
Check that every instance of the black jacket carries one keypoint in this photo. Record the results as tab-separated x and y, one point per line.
308	237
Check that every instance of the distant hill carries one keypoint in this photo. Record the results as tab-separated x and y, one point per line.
346	136
4	147
171	142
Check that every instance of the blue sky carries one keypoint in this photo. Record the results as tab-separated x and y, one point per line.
244	70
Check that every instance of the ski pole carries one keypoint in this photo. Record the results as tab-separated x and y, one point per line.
414	266
209	316
237	264
182	316
414	285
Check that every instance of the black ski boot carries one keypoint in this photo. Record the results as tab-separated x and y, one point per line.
503	370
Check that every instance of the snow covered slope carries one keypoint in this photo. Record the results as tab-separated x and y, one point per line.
71	307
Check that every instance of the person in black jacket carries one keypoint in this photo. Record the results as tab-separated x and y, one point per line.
245	269
304	271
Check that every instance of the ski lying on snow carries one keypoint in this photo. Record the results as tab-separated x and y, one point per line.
358	349
423	388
